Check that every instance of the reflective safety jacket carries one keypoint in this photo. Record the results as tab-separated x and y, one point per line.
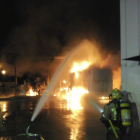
110	111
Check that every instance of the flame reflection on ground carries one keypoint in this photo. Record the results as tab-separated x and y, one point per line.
73	97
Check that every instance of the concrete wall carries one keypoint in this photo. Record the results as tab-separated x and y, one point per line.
130	47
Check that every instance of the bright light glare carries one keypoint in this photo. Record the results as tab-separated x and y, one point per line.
3	72
3	105
64	81
101	110
103	98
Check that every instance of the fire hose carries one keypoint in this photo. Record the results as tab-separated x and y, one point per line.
114	131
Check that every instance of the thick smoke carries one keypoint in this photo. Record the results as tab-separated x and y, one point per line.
53	28
93	52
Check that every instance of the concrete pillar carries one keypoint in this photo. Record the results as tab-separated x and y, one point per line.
130	47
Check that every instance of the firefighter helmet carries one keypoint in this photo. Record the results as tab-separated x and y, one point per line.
115	94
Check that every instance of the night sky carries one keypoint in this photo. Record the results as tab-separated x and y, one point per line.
31	31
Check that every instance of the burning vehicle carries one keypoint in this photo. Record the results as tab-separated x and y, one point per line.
99	82
82	80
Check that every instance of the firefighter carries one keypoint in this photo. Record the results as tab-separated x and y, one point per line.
116	117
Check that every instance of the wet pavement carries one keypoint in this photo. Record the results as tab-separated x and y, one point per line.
56	121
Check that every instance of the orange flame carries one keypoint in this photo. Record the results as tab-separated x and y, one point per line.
80	67
112	62
73	98
91	54
31	93
117	78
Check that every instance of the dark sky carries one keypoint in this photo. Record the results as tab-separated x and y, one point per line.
31	29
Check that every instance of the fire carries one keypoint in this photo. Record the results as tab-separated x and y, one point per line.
92	57
117	78
31	93
112	62
73	98
64	81
103	98
74	95
4	106
80	67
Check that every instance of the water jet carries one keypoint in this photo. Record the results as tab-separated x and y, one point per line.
51	85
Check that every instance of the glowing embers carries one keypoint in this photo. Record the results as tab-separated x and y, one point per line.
31	93
79	67
73	98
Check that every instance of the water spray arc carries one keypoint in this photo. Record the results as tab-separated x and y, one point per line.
96	106
51	85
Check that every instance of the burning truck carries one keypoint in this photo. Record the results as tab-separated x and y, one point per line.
91	81
98	82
